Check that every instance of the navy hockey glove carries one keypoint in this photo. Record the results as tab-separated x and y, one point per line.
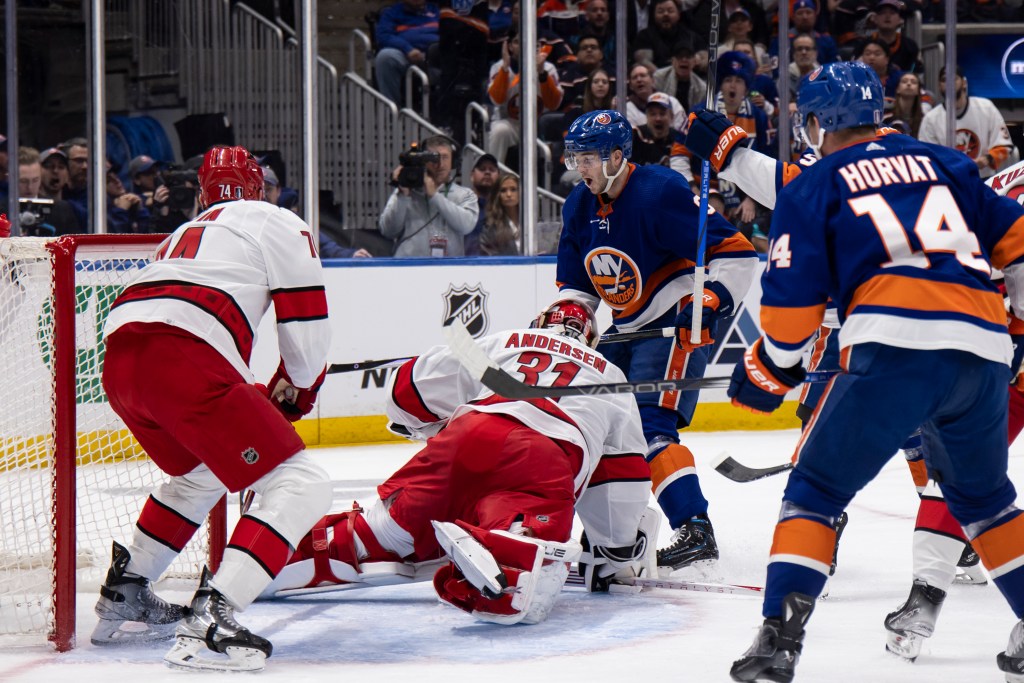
1016	326
718	304
713	137
758	384
293	402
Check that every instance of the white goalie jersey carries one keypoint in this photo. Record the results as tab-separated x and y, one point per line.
613	486
216	276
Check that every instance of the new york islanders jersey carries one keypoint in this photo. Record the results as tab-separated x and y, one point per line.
638	252
428	392
216	275
980	130
902	235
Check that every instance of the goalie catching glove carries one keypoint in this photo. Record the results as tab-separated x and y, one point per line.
718	304
602	566
293	402
758	384
713	137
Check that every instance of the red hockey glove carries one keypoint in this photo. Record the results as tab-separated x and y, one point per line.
5	226
717	305
712	137
758	384
292	401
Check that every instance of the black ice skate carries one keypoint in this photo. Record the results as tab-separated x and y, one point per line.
1011	662
692	542
776	650
914	621
128	610
839	526
211	627
969	570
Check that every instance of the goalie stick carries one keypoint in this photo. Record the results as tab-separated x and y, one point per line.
335	368
731	468
648	584
502	383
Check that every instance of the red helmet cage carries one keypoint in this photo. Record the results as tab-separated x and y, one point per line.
570	318
227	174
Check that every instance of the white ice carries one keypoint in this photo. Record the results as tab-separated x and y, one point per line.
404	633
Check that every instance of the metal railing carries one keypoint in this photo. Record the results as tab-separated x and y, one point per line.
933	56
412	75
479	110
359	36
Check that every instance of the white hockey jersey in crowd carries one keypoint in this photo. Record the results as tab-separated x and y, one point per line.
980	130
428	392
216	275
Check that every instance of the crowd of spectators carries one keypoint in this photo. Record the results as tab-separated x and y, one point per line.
667	53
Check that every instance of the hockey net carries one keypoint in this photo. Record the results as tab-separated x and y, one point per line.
72	478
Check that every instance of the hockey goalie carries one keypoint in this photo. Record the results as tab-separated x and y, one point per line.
486	507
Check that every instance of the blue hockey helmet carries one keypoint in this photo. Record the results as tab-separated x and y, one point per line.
841	95
598	131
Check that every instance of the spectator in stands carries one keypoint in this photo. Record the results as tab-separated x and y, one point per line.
126	212
431	220
502	235
499	25
875	53
559	16
144	171
909	107
573	79
55	173
980	129
679	80
804	14
405	31
463	40
504	92
763	93
47	220
657	42
888	19
597	22
77	192
740	26
805	60
482	179
652	142
641	85
331	249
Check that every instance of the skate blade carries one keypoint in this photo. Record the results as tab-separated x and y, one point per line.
130	633
971	576
188	653
471	557
701	571
906	645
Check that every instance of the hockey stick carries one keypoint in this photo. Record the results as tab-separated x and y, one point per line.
699	275
502	383
647	584
732	469
335	368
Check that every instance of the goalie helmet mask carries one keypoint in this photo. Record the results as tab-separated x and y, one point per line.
570	318
228	174
840	95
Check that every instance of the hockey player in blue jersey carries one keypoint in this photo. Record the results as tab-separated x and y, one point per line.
629	239
902	235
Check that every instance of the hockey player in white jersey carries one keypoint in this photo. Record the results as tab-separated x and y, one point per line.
495	486
176	370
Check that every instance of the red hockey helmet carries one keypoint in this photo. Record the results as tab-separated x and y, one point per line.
227	174
570	318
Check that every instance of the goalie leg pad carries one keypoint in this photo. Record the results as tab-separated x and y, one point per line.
532	571
601	566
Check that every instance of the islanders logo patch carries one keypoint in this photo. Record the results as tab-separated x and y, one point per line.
603	119
616	278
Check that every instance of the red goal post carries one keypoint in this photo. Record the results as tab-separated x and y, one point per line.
72	477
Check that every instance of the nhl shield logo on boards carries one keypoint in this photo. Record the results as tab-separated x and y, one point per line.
469	305
250	456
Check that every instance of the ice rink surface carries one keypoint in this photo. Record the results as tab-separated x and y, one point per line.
404	634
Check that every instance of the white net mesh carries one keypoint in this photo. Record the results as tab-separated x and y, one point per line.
113	477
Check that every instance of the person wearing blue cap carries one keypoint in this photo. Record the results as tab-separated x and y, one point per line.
804	16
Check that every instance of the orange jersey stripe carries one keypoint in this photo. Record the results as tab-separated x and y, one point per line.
732	244
914	294
791	325
653	285
1011	246
1000	545
806	538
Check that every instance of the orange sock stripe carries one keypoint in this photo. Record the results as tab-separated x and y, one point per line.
1002	544
806	538
674	458
919	471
